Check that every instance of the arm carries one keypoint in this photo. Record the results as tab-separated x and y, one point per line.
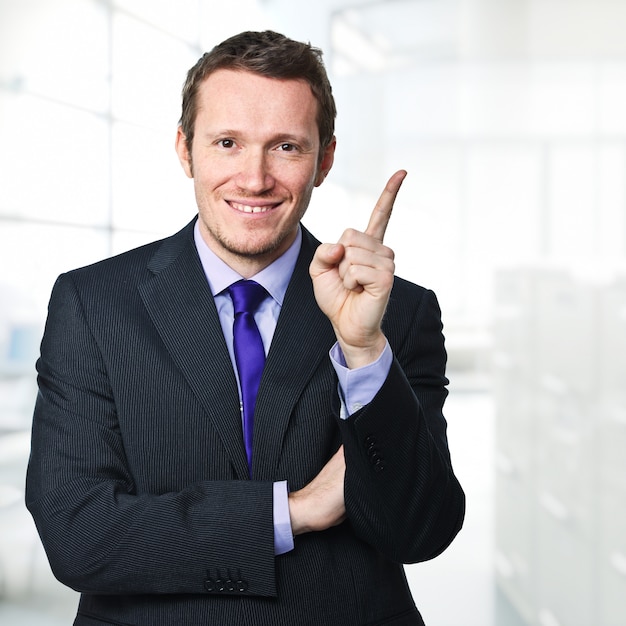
401	493
102	532
399	490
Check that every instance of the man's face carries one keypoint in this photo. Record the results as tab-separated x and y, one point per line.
255	160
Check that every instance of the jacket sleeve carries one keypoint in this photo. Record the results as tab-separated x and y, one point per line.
401	494
100	534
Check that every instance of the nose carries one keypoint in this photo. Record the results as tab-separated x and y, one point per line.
254	176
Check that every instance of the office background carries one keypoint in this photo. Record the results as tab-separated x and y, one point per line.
510	116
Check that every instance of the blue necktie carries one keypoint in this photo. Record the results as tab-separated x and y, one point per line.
249	353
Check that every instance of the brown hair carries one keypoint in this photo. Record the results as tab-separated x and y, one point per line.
269	54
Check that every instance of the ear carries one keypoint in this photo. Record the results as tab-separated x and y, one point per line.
183	152
326	162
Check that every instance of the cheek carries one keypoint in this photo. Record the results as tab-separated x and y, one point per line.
211	171
207	185
300	182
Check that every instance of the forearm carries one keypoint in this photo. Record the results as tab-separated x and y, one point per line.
101	537
401	494
400	489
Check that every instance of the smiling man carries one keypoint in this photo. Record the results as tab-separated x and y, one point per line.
238	424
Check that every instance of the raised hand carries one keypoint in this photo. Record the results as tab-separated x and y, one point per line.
352	280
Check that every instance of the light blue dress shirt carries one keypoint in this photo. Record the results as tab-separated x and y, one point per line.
356	387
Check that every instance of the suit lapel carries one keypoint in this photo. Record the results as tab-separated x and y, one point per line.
305	333
181	306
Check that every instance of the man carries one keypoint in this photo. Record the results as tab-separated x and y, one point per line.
157	492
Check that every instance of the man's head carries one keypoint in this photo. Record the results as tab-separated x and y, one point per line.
271	55
256	136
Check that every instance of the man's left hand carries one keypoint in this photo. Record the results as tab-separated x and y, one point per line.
352	280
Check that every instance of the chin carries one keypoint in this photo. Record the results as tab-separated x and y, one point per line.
254	251
250	246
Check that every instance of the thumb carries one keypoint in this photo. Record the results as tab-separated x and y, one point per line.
327	256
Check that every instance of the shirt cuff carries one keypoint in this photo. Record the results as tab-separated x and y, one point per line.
283	536
357	387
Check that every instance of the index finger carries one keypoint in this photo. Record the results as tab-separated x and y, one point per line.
382	211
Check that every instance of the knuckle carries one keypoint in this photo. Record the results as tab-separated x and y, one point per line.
388	280
348	235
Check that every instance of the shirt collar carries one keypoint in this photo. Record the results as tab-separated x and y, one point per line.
275	277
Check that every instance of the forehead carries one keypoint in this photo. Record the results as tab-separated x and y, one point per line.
251	98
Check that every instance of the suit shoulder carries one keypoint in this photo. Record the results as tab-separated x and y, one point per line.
409	304
133	264
409	292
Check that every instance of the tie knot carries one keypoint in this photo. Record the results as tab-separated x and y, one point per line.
247	296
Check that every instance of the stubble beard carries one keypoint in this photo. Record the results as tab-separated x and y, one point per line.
248	249
245	248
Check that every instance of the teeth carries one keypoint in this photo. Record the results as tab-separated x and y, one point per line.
250	209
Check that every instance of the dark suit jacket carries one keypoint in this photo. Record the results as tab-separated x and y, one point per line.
138	480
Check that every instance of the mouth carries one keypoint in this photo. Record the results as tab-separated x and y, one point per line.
252	208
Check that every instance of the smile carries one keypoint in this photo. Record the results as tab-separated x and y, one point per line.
246	208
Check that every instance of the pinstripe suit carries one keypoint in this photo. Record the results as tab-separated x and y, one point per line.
138	477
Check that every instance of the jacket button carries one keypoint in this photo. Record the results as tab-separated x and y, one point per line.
241	586
209	585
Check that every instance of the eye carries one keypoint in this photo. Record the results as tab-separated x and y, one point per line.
226	143
287	147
